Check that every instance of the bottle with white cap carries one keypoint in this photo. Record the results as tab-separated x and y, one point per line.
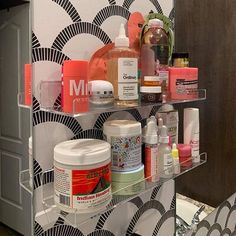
191	131
122	71
164	155
151	148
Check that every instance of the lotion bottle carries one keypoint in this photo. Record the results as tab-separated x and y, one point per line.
191	131
164	155
122	71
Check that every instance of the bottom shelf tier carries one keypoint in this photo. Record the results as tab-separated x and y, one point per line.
119	197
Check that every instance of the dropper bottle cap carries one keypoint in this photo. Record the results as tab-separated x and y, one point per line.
151	136
160	124
122	40
175	151
164	138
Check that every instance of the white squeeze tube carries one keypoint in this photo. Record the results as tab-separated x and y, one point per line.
191	131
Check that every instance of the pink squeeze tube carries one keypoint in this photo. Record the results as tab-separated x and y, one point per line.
183	83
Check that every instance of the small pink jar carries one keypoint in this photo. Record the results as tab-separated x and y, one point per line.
185	156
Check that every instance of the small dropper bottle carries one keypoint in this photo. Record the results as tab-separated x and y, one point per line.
151	148
164	155
175	156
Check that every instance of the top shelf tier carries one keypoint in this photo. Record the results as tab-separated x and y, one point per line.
199	95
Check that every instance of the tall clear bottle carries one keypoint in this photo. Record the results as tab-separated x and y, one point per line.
164	155
155	56
122	71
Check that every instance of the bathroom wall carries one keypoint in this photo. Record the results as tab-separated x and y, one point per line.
70	29
207	30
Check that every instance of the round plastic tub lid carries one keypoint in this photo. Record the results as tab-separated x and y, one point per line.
123	127
82	152
129	176
150	89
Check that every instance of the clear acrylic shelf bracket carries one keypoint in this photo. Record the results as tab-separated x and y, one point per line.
77	219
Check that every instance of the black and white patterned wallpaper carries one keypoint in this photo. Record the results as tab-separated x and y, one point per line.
75	29
222	222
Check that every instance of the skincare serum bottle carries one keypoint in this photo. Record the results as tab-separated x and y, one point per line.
164	155
122	71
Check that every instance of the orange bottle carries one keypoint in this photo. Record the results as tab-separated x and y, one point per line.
122	71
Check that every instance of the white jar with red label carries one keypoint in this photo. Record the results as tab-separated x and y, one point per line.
125	139
82	175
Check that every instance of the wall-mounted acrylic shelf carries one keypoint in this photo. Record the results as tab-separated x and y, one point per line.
77	219
197	95
24	180
21	101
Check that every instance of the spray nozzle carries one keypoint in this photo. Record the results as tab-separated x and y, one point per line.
122	40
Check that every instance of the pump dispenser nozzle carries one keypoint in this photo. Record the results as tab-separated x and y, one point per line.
122	40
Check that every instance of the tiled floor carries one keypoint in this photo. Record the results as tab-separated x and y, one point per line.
5	231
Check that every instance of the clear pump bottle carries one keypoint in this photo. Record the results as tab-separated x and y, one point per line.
164	155
122	71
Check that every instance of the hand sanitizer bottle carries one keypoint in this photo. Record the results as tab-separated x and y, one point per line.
164	155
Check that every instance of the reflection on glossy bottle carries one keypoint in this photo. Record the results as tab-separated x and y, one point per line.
155	55
122	71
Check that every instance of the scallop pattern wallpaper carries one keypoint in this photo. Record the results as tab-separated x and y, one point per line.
75	29
222	222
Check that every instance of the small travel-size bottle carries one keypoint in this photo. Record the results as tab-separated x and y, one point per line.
151	148
164	155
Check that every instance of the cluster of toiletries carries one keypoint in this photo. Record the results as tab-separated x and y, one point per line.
125	73
87	171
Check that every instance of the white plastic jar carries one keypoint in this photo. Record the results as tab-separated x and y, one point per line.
128	183
82	175
101	94
125	139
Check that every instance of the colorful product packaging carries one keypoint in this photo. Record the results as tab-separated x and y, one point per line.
183	83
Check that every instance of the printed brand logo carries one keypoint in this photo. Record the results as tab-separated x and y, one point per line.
78	88
128	77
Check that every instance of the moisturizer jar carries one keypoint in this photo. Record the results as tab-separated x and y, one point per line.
128	183
125	137
101	94
82	175
151	94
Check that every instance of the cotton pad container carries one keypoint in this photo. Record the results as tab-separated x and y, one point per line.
128	183
125	139
82	175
